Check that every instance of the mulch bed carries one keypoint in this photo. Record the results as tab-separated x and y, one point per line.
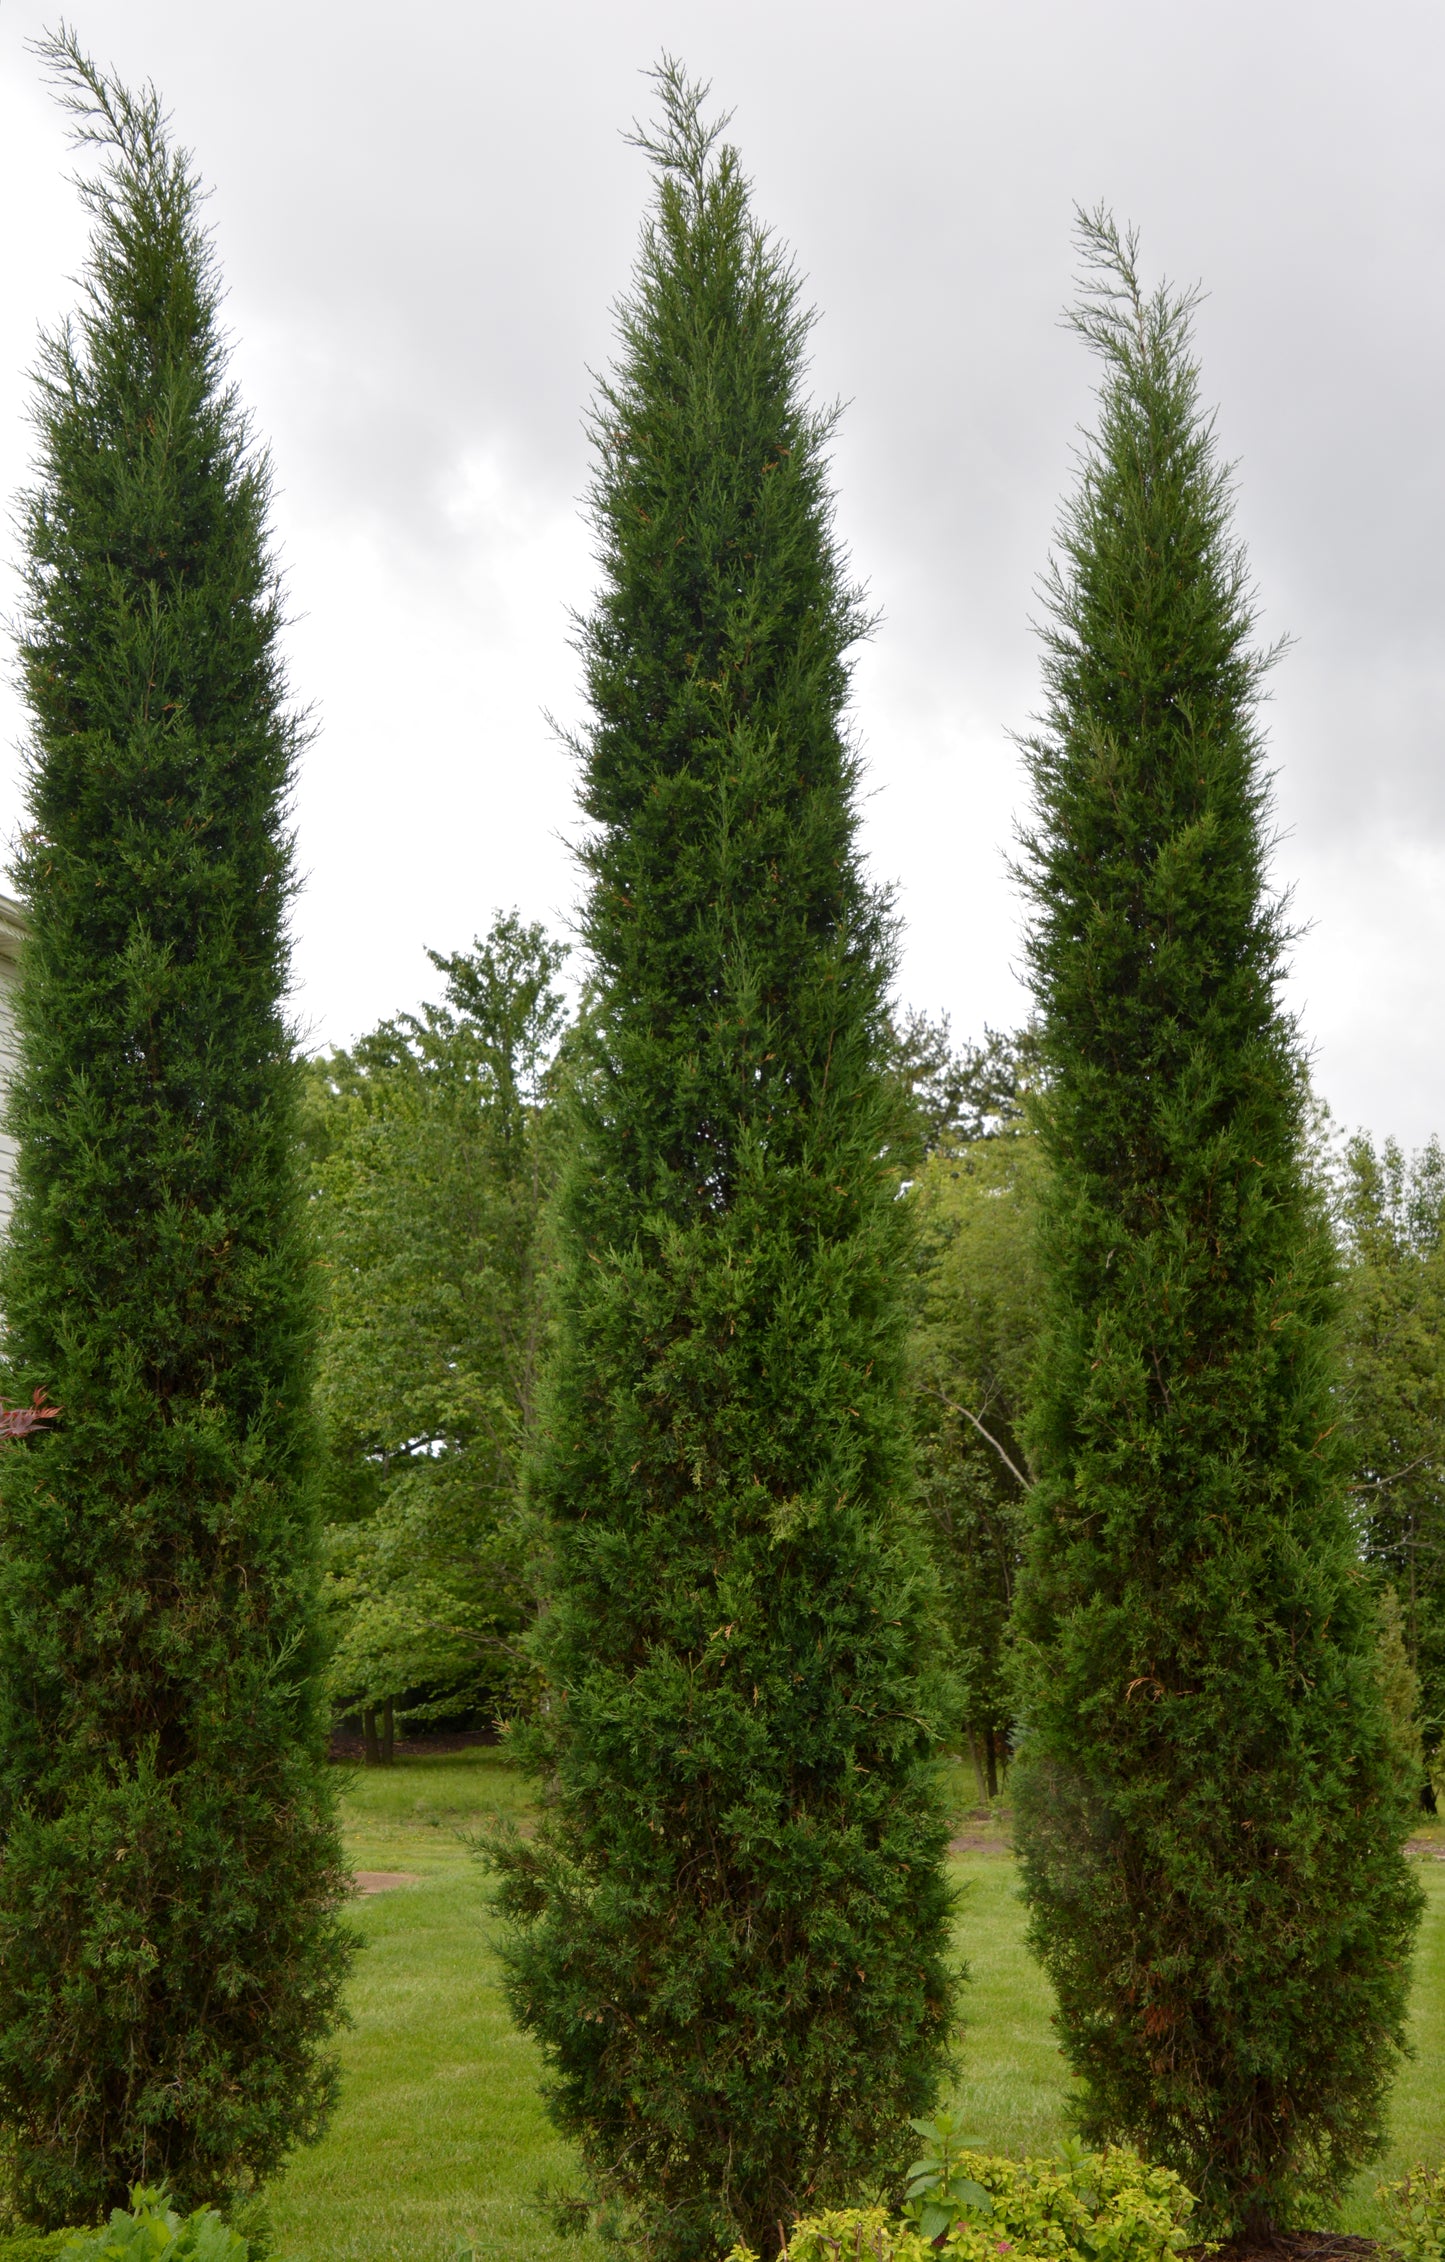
368	1881
1296	2246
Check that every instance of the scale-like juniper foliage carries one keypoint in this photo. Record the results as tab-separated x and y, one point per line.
170	1955
1211	1823
731	1936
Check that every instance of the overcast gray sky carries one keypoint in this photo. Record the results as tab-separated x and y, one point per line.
424	216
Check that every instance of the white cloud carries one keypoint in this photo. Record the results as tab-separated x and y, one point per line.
424	220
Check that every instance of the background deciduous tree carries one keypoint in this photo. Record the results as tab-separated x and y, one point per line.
973	1348
1393	1212
432	1148
976	1320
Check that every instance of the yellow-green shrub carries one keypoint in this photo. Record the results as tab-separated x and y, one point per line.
1415	2212
1094	2206
851	2234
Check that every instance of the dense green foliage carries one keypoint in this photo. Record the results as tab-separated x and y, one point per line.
1074	2208
973	1348
1210	1811
170	1955
1393	1212
432	1151
150	2230
34	2246
1414	2212
731	1935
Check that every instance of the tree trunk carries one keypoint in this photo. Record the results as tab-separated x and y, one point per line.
388	1734
990	1753
976	1755
368	1730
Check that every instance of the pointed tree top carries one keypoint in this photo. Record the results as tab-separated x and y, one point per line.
682	140
1128	325
106	114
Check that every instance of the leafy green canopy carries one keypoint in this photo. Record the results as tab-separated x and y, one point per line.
1393	1214
1212	1813
973	1345
433	1140
170	1955
731	1936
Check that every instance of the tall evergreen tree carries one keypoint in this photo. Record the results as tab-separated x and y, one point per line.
170	1952
731	1936
1211	1811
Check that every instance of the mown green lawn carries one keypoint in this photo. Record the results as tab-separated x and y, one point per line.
440	2137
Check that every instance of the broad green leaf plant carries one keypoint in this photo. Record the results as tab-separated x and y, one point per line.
151	2231
939	2193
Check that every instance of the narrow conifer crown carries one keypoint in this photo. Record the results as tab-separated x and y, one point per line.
1210	1817
170	1954
732	1938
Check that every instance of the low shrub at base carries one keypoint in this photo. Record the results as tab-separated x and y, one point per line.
975	2207
1415	2212
150	2231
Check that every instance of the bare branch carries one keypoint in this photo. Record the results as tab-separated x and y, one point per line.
1378	1484
988	1437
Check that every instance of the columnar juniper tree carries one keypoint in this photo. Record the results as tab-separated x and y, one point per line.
169	1951
731	1937
1211	1822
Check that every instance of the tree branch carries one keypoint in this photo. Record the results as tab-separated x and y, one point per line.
987	1435
1377	1484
